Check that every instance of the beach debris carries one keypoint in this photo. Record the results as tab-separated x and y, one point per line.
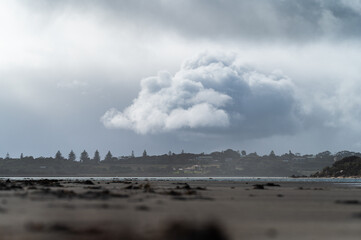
132	187
146	187
188	187
42	182
56	193
105	194
258	186
142	208
62	228
93	187
181	230
87	182
272	185
8	185
262	186
351	202
173	193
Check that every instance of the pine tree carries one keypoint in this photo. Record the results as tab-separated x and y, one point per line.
71	156
96	157
84	157
108	157
58	156
145	153
272	154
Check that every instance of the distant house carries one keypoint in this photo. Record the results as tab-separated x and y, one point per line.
194	167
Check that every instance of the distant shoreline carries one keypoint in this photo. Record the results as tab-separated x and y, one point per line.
193	179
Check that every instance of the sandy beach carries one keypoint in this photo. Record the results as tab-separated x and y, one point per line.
53	209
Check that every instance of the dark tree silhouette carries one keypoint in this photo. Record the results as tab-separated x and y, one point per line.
58	156
21	156
84	157
7	156
132	154
71	156
244	153
96	157
108	157
272	154
145	153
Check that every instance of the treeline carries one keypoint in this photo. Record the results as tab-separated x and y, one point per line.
347	167
220	163
84	157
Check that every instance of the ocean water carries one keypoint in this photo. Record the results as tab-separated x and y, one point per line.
356	181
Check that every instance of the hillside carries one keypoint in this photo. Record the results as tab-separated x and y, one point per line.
347	167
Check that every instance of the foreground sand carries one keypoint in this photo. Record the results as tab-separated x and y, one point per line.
178	210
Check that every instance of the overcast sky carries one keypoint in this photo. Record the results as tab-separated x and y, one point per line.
198	75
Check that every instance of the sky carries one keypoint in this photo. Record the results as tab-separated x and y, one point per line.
192	75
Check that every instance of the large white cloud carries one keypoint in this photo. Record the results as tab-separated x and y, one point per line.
212	92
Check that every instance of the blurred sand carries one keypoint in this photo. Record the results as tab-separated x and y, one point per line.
175	210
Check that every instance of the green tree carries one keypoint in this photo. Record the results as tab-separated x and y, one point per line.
96	157
71	156
84	157
272	154
108	157
58	156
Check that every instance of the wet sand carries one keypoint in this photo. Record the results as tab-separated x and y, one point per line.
51	209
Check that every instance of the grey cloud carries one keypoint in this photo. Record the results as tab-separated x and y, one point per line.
214	93
262	20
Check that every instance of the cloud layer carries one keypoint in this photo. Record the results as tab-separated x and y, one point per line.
63	64
211	92
262	20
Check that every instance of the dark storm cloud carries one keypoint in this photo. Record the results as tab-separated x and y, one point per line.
249	20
